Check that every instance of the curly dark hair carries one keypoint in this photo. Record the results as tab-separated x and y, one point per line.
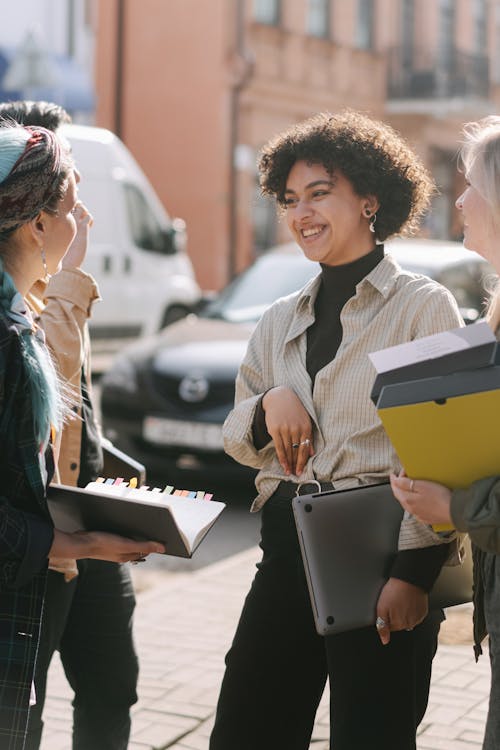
370	154
40	113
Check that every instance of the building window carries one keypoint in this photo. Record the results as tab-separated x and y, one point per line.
267	11
496	53
446	34
364	35
264	221
318	18
408	24
479	12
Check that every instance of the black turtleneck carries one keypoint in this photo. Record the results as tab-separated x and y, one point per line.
337	285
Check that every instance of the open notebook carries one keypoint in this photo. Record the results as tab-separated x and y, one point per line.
179	519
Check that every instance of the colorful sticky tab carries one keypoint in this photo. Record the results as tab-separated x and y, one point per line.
133	483
168	490
99	480
109	481
118	480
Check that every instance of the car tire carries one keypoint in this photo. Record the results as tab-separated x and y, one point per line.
172	314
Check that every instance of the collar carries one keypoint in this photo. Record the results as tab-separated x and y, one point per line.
21	316
342	280
382	278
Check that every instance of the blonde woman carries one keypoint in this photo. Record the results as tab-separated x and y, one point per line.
475	509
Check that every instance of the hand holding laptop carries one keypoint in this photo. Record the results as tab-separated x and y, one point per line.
400	606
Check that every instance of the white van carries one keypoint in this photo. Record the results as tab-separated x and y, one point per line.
137	253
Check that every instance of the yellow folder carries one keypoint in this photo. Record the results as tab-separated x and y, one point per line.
453	441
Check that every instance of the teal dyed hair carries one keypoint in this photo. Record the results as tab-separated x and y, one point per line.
47	402
33	174
12	144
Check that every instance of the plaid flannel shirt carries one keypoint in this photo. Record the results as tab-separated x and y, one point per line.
26	535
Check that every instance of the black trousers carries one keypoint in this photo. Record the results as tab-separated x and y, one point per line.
277	666
89	620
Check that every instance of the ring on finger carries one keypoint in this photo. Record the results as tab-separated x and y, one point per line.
305	442
380	623
296	445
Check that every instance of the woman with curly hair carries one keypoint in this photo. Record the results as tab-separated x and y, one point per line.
304	418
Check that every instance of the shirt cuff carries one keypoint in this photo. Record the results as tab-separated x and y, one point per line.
260	435
73	285
39	538
421	566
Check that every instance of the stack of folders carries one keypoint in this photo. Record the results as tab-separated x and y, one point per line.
179	519
437	398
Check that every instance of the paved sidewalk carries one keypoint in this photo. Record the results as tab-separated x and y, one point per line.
184	626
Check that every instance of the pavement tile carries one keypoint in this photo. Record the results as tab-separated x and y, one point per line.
163	731
182	667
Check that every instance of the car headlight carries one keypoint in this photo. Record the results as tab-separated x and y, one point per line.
121	375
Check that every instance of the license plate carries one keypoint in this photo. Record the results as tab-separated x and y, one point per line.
190	434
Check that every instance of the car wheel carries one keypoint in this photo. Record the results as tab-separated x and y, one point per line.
173	314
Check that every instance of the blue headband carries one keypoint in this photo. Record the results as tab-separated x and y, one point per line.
12	144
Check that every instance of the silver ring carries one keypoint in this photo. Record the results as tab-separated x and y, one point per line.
295	446
412	485
305	442
380	623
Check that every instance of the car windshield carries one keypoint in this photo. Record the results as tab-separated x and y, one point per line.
269	278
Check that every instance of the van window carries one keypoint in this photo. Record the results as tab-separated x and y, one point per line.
98	198
145	229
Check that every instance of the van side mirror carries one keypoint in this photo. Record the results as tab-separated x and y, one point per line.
174	238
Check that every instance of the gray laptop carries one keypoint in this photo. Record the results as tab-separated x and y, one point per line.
348	541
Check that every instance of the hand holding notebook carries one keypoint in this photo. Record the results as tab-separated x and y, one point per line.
179	519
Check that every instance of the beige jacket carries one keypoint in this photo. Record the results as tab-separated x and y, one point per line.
62	308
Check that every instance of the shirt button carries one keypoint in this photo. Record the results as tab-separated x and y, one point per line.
73	466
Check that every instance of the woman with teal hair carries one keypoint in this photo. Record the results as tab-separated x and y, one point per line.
37	198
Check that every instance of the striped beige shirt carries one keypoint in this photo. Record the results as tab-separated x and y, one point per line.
390	306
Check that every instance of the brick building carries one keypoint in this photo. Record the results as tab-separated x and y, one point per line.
195	87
